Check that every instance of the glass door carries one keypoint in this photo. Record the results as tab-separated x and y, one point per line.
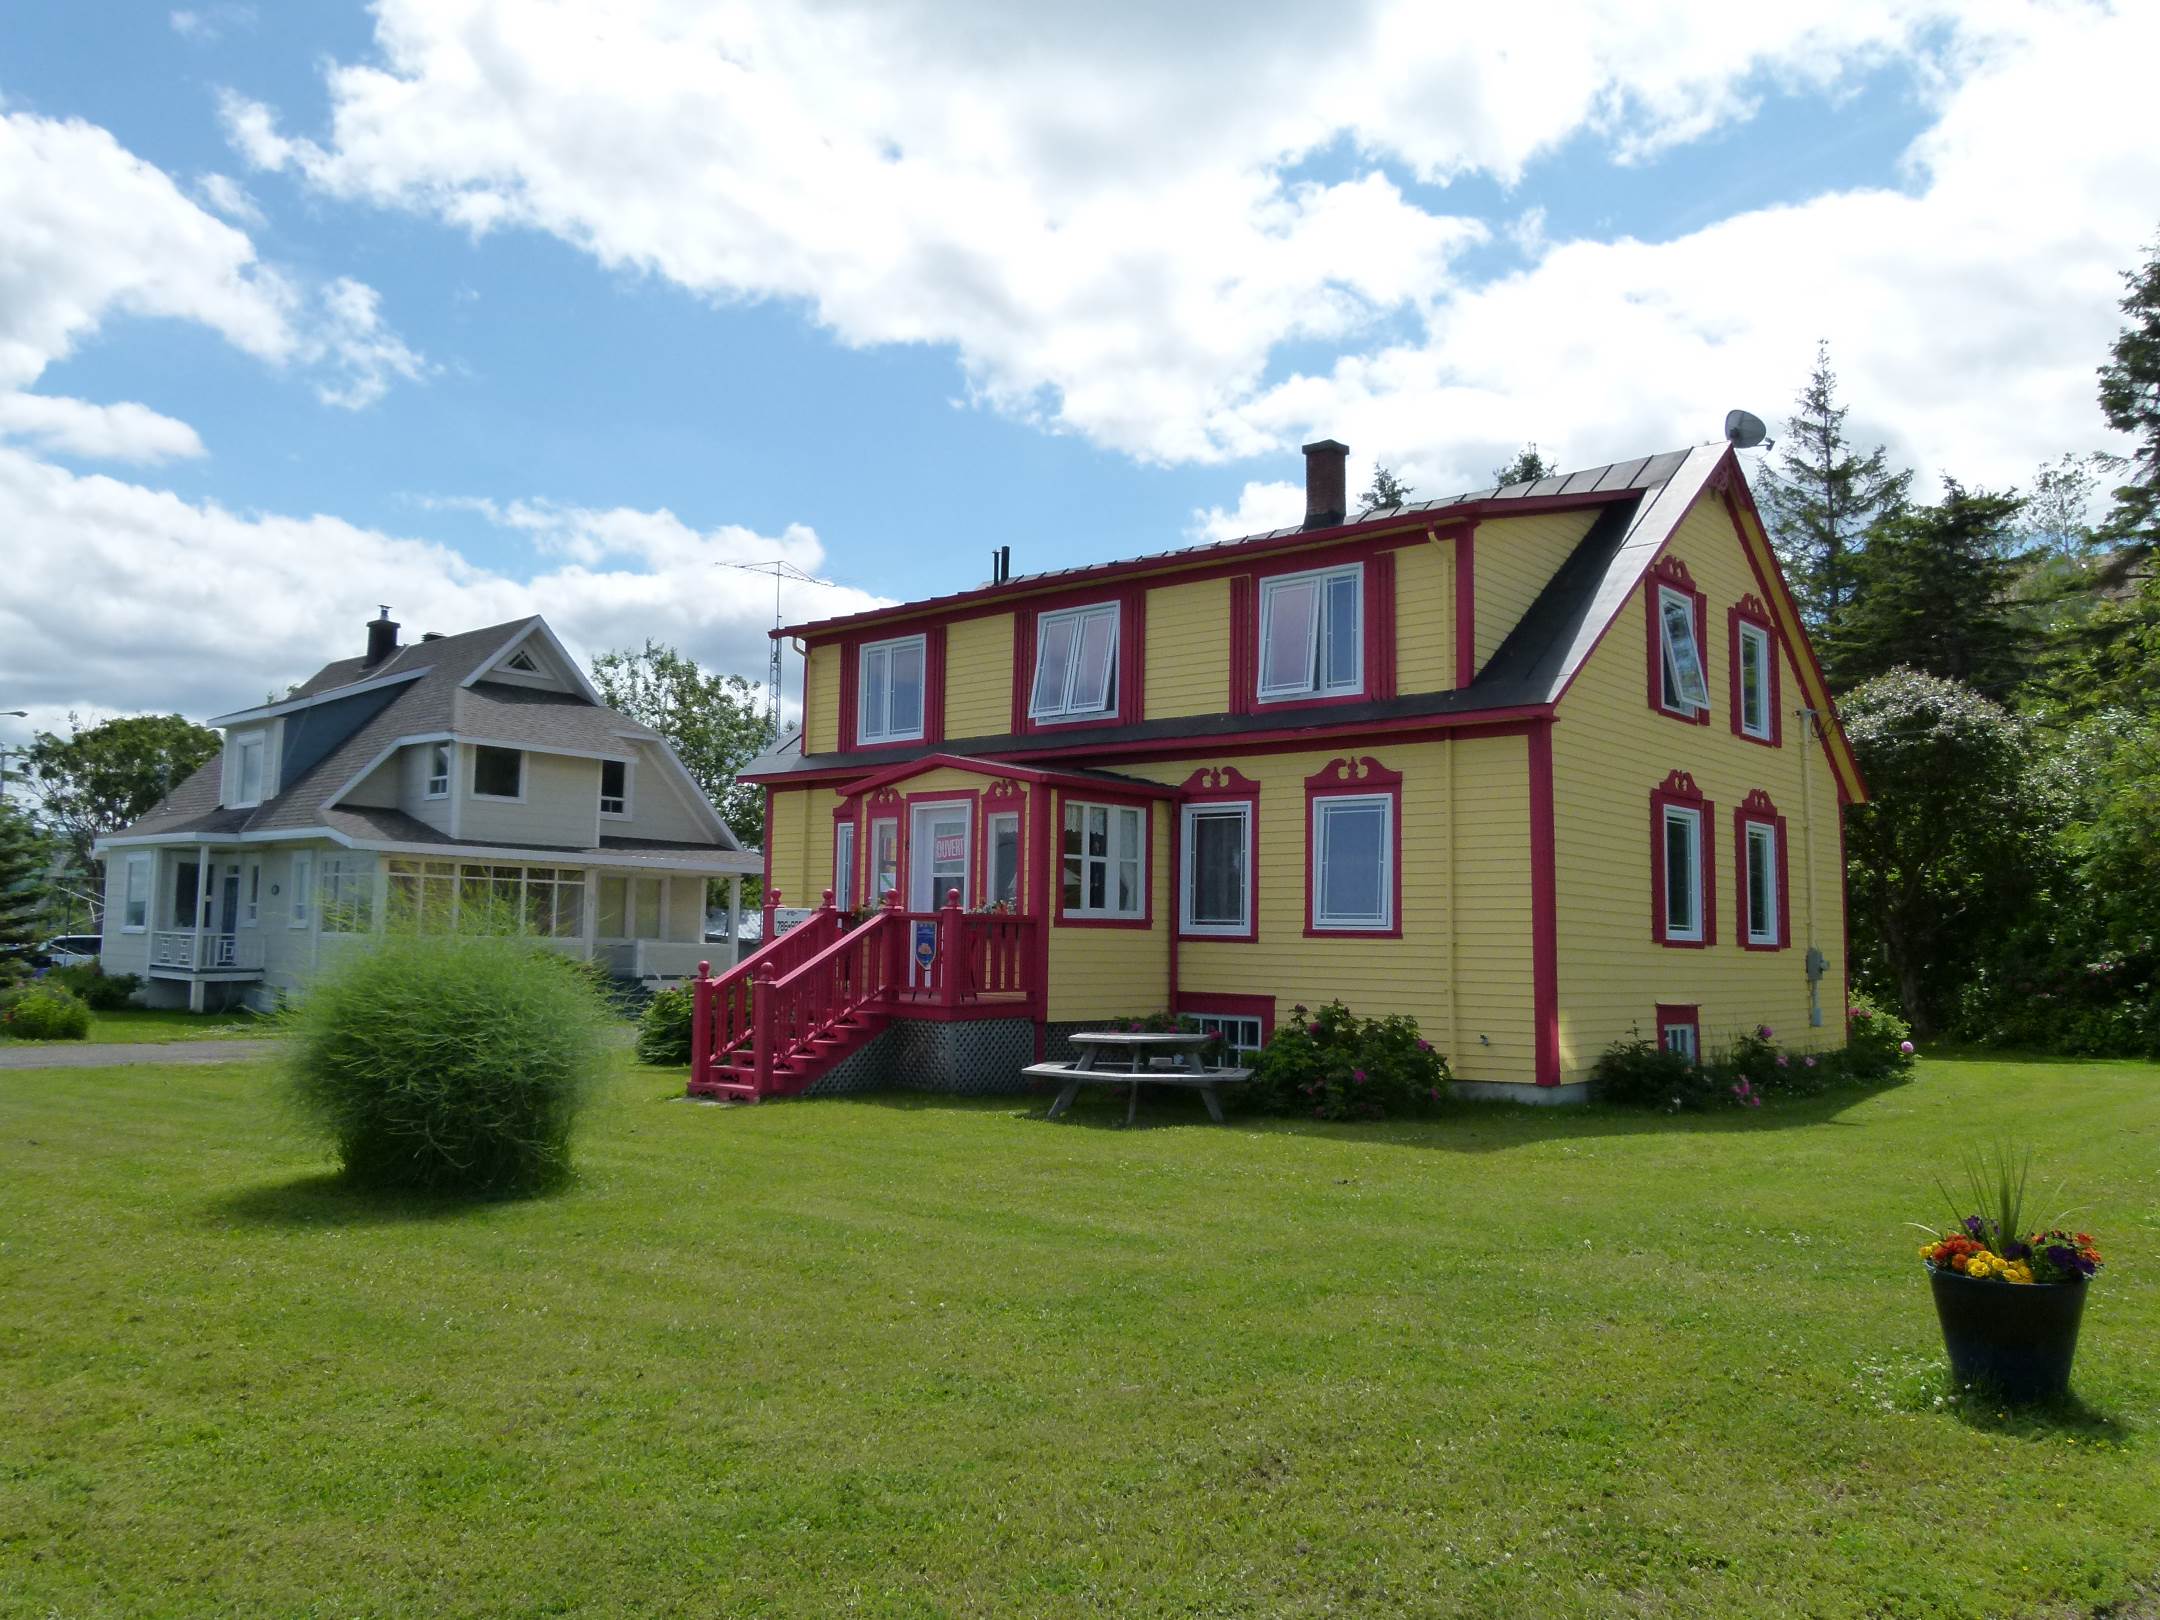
937	858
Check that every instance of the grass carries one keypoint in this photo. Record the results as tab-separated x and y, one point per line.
128	1025
907	1357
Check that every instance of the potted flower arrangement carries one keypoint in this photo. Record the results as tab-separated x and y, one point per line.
2009	1298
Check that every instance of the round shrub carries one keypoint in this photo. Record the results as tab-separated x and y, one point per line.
664	1027
1639	1073
449	1063
1335	1065
100	991
1878	1044
44	1012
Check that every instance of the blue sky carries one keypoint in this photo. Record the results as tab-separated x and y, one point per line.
657	352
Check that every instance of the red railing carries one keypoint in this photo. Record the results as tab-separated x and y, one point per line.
722	1010
854	973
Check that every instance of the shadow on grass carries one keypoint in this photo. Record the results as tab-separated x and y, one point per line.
329	1199
2068	1416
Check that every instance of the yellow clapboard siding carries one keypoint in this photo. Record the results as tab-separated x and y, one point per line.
979	676
1609	751
821	697
1516	558
1104	972
1425	617
1188	649
802	843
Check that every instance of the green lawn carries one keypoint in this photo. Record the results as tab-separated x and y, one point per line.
160	1024
913	1357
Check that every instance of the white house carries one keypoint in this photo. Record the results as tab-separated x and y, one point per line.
413	782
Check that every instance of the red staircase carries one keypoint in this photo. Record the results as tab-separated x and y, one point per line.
787	1013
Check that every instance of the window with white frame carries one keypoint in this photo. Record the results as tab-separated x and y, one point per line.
438	778
1215	887
346	893
884	859
629	908
1076	664
1755	656
498	773
248	756
1680	1036
890	705
1240	1032
1311	641
843	864
423	896
135	902
1105	860
614	787
251	895
1353	862
1761	897
1682	688
1002	832
303	888
1681	830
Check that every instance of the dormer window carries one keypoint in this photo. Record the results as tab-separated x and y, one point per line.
1311	640
248	756
1076	653
438	781
614	787
891	705
498	773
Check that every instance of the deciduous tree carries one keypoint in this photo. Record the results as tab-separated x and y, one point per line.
99	778
716	723
23	859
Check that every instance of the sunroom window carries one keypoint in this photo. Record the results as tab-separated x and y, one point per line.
1755	681
1311	642
1684	690
1075	663
1105	861
1682	832
891	706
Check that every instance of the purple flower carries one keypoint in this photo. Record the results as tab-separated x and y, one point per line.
1315	1029
1783	1062
1810	1062
1358	1075
1906	1047
1765	1031
2062	1257
1435	1093
1424	1046
1976	1227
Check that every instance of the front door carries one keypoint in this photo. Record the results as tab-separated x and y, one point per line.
937	855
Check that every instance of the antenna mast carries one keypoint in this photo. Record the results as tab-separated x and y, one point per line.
781	570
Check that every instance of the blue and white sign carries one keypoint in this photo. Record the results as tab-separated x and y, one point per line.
925	945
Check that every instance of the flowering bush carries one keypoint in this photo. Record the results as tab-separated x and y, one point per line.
42	1011
1878	1044
1994	1244
1639	1073
1215	1054
1334	1065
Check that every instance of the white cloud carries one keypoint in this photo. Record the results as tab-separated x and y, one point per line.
1260	507
124	598
205	24
125	432
230	198
365	353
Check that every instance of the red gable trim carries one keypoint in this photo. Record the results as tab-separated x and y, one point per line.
1544	910
1466	606
998	769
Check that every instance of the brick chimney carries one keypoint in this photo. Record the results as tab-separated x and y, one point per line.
381	638
1326	502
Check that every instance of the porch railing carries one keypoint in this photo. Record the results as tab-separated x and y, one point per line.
177	948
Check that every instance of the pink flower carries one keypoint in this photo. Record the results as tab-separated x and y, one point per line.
1906	1047
1765	1031
1781	1061
1435	1093
1861	1013
1315	1029
1810	1062
1358	1075
1424	1046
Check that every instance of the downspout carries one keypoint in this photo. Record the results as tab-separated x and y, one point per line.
1454	921
1810	720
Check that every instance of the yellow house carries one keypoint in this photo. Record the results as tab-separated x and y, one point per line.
1538	765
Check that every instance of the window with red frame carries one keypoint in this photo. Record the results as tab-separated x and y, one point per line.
1752	654
1679	1030
1683	897
1679	679
1759	839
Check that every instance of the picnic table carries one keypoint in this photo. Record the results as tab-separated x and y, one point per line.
1116	1057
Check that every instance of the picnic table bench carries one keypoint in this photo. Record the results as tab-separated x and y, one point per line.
1109	1057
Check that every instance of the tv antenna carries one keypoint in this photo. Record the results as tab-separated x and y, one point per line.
782	572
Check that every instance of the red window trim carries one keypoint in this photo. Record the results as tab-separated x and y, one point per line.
1757	810
1131	603
1004	797
845	814
1466	606
1376	614
1218	784
1229	1006
1750	610
970	799
1359	776
1679	789
1672	1015
885	804
1148	874
1671	574
851	648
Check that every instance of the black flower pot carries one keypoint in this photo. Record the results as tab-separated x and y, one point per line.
2016	1338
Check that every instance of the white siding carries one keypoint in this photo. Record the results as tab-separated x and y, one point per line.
562	805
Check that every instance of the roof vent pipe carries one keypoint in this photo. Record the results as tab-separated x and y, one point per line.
1326	498
381	638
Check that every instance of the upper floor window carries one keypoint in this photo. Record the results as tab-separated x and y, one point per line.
438	772
1752	649
1075	663
498	773
248	756
1682	688
614	787
1311	638
1105	867
891	704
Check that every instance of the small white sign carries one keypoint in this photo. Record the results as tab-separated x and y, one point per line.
786	917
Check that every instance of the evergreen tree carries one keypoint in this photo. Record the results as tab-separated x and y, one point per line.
1820	498
1387	493
1527	467
2130	398
1932	592
23	857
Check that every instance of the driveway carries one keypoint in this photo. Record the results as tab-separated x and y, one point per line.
88	1055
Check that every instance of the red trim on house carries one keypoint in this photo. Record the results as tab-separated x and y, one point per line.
883	806
1686	1015
933	720
844	815
1036	900
1544	910
1380	648
1466	606
1244	640
933	693
765	878
1132	657
1354	776
1004	797
1757	810
1671	574
1218	784
971	797
1750	610
997	768
1679	789
1097	795
1131	680
1229	1006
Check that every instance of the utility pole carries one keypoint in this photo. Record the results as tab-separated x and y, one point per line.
782	571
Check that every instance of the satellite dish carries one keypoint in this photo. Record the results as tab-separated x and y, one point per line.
1744	430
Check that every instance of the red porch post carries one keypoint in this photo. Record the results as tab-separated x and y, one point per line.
701	999
896	945
952	949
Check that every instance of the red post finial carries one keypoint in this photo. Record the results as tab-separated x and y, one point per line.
892	899
825	904
952	898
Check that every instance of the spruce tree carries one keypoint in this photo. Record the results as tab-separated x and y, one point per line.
23	858
1820	498
2130	398
1932	592
1527	467
1387	493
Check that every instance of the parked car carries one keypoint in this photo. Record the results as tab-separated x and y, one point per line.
68	950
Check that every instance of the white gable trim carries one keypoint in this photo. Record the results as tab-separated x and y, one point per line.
271	711
561	654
